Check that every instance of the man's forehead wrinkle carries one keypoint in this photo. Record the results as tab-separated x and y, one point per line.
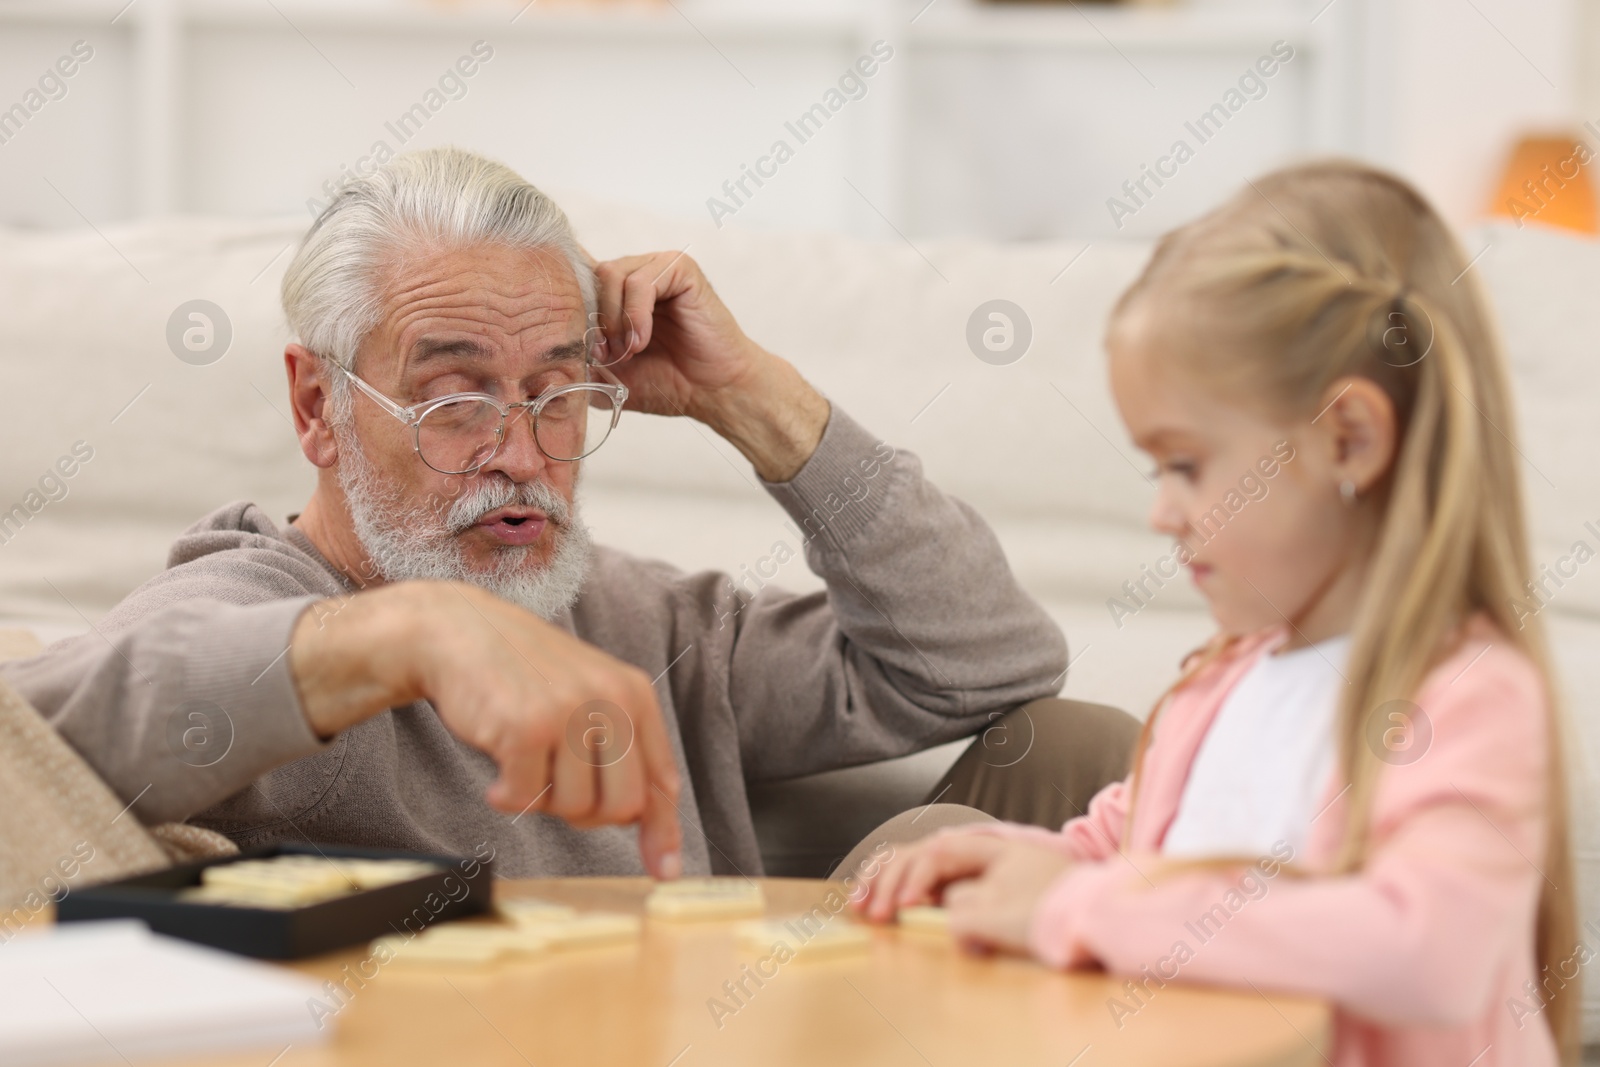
470	291
534	271
468	307
451	294
413	323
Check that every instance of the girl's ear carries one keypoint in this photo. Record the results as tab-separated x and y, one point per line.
1358	422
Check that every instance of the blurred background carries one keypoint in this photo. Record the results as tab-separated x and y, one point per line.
992	120
929	206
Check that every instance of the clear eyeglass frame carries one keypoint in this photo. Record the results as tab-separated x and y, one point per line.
414	415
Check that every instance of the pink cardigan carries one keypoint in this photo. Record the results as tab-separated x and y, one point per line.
1424	952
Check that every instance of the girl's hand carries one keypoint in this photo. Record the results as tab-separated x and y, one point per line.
917	872
995	911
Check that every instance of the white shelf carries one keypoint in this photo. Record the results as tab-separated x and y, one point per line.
602	23
945	24
164	41
619	22
1084	27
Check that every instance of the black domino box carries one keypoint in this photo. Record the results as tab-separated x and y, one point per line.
461	887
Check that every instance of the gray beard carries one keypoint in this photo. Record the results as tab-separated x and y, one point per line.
407	542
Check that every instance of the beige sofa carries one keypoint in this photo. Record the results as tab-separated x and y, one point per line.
881	328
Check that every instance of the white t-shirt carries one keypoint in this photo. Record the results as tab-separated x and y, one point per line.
1267	758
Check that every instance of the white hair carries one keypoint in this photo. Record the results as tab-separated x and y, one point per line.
437	197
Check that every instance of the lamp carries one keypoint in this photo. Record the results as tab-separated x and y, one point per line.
1546	180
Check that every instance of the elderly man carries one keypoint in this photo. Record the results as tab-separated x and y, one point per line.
433	656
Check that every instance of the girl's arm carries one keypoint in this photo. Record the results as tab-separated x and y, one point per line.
1448	892
1090	837
918	871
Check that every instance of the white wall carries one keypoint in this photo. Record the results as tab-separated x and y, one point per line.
1455	81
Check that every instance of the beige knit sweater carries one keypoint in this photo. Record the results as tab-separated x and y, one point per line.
921	635
61	828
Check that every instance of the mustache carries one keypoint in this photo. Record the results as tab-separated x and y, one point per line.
473	504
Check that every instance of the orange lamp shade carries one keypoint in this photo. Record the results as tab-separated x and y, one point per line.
1547	181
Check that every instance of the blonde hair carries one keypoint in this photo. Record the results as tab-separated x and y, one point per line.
1331	270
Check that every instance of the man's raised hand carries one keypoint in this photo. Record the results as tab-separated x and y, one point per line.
670	339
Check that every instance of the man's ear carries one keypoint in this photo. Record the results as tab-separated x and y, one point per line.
308	399
1359	424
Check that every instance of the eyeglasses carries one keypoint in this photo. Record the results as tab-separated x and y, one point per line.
459	433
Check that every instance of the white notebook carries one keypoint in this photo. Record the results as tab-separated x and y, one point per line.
109	991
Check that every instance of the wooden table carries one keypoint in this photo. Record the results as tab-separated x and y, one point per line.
912	1000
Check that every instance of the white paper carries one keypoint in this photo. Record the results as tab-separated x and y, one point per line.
96	991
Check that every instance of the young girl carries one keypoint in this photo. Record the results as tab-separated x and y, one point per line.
1354	790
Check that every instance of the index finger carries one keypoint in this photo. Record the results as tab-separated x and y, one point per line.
616	322
660	832
660	835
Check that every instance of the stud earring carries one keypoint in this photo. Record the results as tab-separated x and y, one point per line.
1347	491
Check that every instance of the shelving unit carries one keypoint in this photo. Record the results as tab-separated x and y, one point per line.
989	46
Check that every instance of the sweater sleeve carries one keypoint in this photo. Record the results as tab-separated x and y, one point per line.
182	695
923	634
1091	837
1418	936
